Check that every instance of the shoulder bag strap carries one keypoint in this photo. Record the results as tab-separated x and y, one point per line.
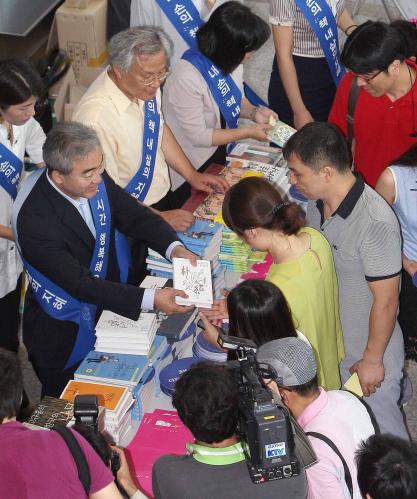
78	455
332	445
352	100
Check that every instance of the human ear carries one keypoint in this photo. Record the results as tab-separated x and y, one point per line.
57	177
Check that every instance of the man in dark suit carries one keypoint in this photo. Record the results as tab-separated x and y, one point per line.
57	235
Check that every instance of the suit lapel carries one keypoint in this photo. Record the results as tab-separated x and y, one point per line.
67	213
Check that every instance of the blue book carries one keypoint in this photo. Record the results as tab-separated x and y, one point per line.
200	233
112	368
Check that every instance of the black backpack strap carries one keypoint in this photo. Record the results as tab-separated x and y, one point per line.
352	100
370	412
332	445
78	455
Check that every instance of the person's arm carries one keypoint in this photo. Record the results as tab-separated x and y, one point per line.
108	492
177	160
382	319
283	40
6	233
345	22
125	478
386	186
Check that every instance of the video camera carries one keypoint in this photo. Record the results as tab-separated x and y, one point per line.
264	425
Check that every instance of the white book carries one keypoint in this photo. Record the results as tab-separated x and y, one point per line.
195	281
112	322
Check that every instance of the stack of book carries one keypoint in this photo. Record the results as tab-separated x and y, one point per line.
160	432
236	255
118	334
116	401
118	368
203	349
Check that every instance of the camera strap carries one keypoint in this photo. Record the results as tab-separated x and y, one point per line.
78	455
333	446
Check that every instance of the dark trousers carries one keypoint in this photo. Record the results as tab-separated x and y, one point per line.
54	380
316	87
407	317
9	318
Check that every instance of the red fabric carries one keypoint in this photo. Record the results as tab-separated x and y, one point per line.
381	127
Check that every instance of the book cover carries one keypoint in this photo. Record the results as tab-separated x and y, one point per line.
194	280
114	323
111	367
200	233
108	396
52	412
280	133
243	154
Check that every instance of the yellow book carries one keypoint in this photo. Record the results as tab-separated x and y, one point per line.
353	385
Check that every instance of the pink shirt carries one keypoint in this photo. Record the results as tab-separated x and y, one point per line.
341	417
37	464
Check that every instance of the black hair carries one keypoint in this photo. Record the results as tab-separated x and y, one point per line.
409	30
387	468
206	398
318	144
19	80
96	440
255	202
232	31
307	388
409	158
373	46
259	311
11	384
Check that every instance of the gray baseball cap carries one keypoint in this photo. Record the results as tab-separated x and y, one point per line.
292	359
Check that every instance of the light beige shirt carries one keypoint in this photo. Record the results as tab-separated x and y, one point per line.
118	122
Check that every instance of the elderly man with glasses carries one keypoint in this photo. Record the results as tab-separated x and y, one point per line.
123	106
385	114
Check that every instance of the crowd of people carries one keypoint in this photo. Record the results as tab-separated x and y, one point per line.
339	299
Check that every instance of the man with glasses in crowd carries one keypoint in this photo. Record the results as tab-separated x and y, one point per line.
385	114
64	221
114	106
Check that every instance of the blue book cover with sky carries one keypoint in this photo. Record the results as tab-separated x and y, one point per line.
200	233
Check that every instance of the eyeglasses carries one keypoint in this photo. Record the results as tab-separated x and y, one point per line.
152	79
367	79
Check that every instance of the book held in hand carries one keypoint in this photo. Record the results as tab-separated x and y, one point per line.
280	133
195	281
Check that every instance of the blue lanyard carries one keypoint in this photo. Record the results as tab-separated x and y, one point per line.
222	87
10	170
322	21
55	301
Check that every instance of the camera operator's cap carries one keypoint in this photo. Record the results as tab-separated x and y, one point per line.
292	359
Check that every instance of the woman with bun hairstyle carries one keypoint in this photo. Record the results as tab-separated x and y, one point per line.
303	267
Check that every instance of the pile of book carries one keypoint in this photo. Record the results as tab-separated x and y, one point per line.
116	400
203	349
160	432
236	255
118	334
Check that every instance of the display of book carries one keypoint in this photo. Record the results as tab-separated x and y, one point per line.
52	412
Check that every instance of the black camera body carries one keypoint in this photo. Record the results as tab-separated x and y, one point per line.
264	426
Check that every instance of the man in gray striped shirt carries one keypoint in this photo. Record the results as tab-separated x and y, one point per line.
366	242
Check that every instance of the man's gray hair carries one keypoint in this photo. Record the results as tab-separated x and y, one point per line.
67	142
137	41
